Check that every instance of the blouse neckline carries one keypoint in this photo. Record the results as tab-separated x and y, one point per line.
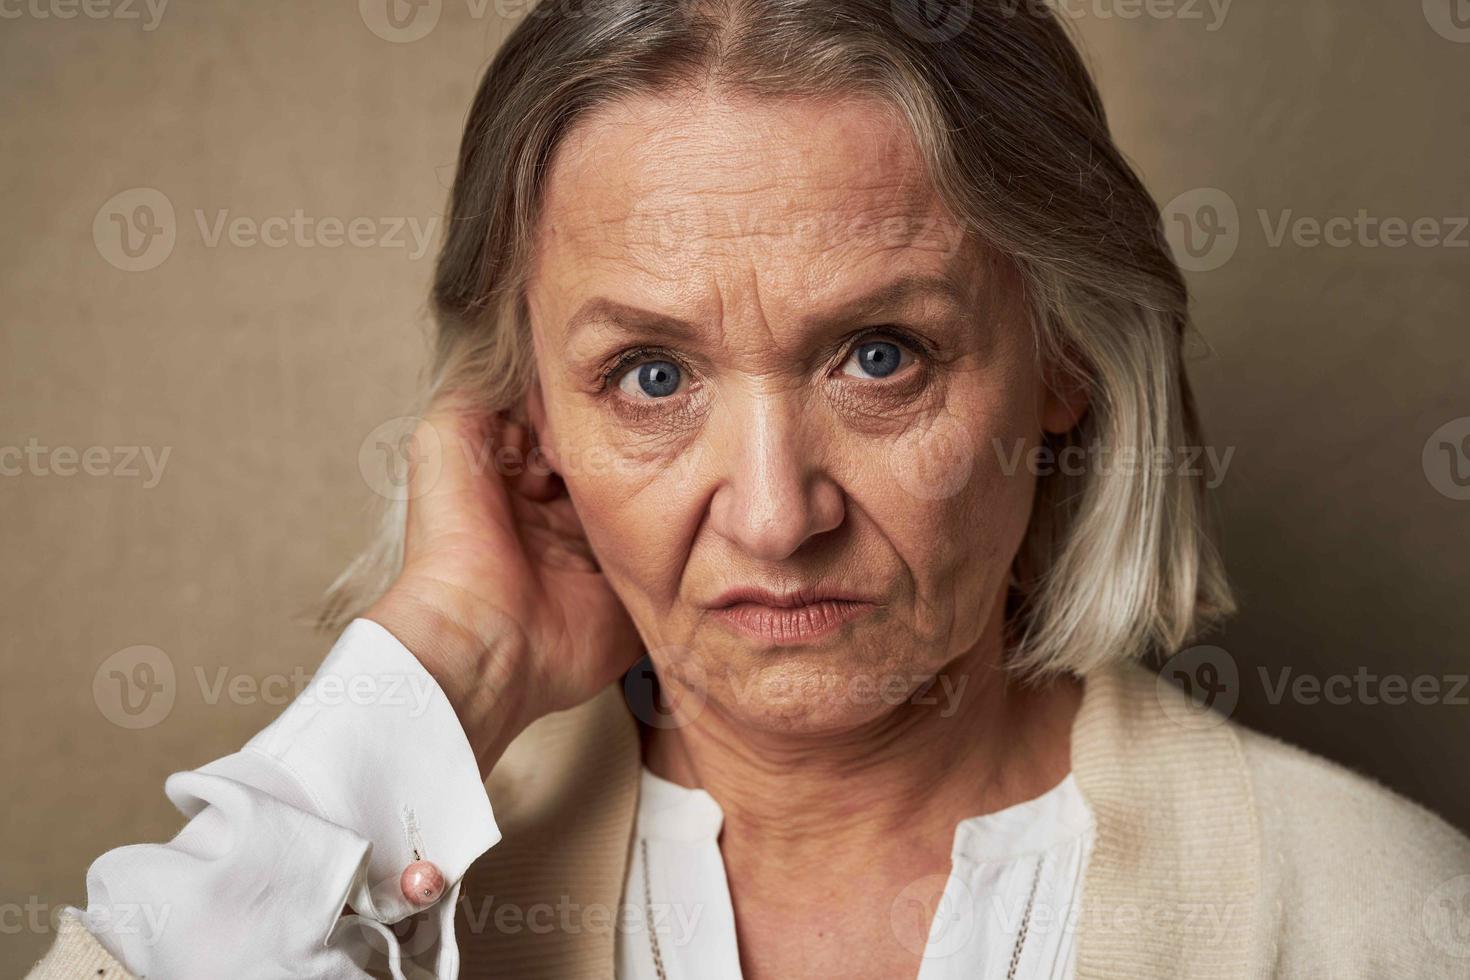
669	811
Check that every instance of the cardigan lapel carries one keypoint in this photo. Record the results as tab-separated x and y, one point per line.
544	903
1171	881
1168	889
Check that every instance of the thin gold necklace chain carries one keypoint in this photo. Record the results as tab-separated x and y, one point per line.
658	957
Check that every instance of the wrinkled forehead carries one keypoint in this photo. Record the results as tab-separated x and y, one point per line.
796	193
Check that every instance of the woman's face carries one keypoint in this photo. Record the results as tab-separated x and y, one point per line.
769	359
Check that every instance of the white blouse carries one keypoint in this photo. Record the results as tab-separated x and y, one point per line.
988	901
368	770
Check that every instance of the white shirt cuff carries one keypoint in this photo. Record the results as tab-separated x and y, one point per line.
325	806
372	744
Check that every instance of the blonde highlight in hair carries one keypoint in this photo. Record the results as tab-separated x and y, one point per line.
1115	563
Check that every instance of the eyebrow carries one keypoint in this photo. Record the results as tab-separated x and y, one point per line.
894	296
886	298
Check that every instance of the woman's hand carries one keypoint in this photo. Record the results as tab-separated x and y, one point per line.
500	596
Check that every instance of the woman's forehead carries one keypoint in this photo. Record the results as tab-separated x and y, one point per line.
793	178
791	201
903	272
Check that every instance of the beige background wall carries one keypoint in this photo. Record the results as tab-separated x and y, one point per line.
261	370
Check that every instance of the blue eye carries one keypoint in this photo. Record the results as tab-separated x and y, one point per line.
654	379
875	359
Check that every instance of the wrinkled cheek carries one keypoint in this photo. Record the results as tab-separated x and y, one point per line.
634	511
962	466
933	461
957	513
998	493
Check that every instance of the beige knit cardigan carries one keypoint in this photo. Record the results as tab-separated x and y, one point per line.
1219	852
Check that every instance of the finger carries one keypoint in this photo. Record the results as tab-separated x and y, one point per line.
452	467
475	444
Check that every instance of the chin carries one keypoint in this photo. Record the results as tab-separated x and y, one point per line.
818	690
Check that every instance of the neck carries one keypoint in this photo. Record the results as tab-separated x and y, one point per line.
976	742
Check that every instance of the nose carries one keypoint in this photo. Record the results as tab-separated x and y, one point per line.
774	494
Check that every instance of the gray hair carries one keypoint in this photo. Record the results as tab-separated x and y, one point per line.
1116	562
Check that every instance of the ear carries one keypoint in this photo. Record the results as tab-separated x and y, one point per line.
1064	398
535	411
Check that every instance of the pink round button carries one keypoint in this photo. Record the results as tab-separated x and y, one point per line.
422	883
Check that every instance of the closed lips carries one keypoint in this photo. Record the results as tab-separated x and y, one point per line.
789	617
792	599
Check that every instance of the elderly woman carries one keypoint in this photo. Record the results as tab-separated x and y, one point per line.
762	324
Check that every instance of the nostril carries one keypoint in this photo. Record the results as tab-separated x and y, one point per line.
769	521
